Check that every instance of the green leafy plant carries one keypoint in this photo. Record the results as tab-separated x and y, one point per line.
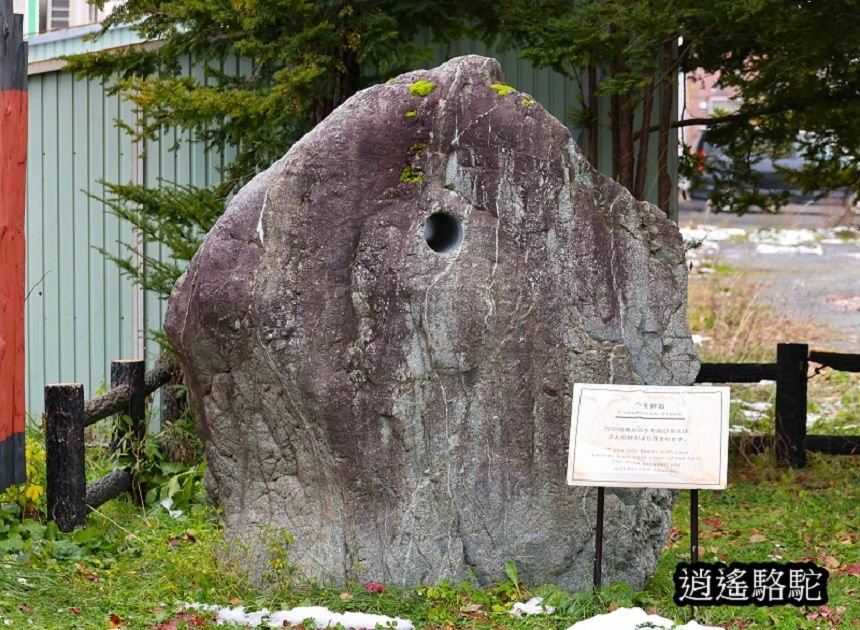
166	465
28	497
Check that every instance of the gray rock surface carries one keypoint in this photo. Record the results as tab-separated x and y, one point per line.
402	412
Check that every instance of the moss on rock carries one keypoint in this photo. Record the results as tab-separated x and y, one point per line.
421	88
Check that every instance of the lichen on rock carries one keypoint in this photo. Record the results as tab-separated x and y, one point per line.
422	88
502	89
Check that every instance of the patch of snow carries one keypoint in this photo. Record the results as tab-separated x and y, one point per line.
534	606
700	339
724	234
711	233
633	619
322	617
739	428
757	406
238	616
690	234
767	248
785	237
752	415
811	419
167	504
840	235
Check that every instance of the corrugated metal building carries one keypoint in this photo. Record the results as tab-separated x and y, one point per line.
81	312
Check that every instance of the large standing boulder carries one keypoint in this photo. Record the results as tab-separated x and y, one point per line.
381	335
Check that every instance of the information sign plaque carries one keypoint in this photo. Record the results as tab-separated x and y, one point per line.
645	436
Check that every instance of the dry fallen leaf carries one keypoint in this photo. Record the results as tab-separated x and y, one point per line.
345	596
830	562
115	621
851	569
74	610
188	620
757	538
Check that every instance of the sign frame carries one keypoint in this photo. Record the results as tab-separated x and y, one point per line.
708	401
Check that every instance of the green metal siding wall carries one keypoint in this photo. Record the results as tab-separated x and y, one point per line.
79	310
78	304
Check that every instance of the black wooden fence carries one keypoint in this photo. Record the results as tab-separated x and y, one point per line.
67	414
790	441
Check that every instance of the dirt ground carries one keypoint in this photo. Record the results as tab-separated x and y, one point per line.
818	284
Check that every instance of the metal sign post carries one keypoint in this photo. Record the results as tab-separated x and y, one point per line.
694	526
598	540
641	436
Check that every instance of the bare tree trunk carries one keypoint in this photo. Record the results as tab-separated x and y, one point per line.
644	136
594	127
664	179
625	142
345	85
614	134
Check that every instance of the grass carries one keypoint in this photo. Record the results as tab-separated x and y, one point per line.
145	563
780	515
132	567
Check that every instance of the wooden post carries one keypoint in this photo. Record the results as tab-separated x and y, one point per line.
13	165
64	455
132	373
792	362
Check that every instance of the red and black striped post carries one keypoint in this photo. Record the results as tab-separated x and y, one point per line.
13	165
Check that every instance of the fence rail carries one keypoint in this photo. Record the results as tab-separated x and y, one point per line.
67	414
790	441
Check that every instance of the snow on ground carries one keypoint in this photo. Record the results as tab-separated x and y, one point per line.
323	617
632	619
711	233
620	619
534	606
786	237
706	238
767	248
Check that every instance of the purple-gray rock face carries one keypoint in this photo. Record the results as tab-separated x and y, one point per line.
381	335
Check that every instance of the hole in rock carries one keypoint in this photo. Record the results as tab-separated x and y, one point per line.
443	232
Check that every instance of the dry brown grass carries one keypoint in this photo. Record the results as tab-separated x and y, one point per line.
724	306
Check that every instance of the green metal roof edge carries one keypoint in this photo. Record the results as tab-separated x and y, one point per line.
70	41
